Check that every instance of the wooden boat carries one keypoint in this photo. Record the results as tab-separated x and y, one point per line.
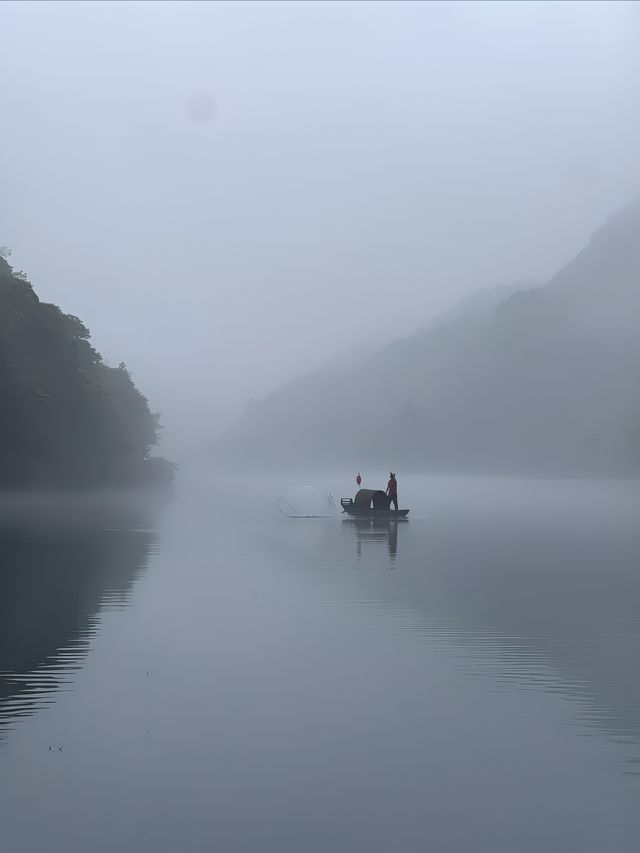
371	503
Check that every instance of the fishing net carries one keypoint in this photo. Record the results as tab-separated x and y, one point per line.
306	502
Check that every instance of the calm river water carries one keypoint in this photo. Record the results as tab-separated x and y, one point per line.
215	676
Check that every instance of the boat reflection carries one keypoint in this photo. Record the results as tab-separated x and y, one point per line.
377	533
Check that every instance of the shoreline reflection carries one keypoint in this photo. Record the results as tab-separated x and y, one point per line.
58	575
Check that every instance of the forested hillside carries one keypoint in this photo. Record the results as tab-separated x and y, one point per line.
67	418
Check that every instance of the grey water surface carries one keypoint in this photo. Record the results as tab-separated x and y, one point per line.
215	676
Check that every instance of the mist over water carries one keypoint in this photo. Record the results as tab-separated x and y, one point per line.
285	244
230	195
225	677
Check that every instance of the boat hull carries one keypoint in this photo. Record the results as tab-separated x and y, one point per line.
367	512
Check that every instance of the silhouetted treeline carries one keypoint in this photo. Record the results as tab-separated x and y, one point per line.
67	418
542	380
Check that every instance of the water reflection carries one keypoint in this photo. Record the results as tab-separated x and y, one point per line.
541	600
376	533
58	573
549	602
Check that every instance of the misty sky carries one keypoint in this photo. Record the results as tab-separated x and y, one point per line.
229	194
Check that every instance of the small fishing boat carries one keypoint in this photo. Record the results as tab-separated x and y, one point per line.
371	503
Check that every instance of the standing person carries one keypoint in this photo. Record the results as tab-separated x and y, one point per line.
392	490
358	479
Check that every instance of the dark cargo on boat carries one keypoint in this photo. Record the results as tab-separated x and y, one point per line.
371	503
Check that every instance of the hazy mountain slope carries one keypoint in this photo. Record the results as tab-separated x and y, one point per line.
542	380
334	411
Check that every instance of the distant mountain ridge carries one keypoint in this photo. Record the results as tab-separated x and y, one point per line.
523	380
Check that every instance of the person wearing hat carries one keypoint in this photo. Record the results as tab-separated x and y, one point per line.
392	490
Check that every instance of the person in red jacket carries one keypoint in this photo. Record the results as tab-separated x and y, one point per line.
392	490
